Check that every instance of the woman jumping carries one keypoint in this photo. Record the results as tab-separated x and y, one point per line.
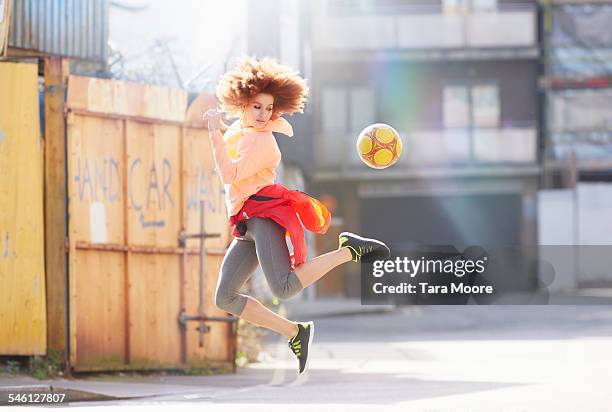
261	212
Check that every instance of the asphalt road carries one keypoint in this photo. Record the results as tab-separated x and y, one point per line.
432	358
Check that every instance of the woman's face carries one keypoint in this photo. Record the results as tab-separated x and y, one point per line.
259	110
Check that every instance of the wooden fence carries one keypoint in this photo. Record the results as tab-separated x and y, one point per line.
23	321
136	174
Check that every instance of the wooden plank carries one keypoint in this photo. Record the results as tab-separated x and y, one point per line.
182	257
100	299
126	239
73	295
140	119
124	98
71	291
97	178
202	176
97	202
139	249
153	184
22	272
203	183
13	53
56	71
216	345
154	308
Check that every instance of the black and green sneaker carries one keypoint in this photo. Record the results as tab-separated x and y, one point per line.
300	344
361	247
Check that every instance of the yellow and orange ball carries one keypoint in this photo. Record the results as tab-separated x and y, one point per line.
379	146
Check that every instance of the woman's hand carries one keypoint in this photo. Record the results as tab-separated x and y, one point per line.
213	116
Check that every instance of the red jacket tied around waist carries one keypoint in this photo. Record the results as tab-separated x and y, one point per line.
287	208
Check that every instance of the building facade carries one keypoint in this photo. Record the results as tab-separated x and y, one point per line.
459	81
457	78
578	83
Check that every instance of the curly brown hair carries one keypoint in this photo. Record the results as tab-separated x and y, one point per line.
253	76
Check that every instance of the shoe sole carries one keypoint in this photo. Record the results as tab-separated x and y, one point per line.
367	239
310	338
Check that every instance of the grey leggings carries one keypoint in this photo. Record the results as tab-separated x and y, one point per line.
264	241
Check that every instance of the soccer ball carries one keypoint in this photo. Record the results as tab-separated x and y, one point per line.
379	146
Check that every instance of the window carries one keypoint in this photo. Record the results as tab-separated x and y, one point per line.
347	109
289	33
456	106
362	109
333	126
333	110
484	5
453	6
485	105
344	113
475	105
463	6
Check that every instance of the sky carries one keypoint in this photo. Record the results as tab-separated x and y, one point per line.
198	33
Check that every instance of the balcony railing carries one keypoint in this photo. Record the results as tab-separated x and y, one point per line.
420	29
449	148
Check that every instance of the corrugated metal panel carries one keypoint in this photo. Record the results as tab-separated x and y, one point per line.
72	28
5	12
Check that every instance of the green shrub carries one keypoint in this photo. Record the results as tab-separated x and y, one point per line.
45	367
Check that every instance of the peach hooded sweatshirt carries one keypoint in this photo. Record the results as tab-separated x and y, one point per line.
246	159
